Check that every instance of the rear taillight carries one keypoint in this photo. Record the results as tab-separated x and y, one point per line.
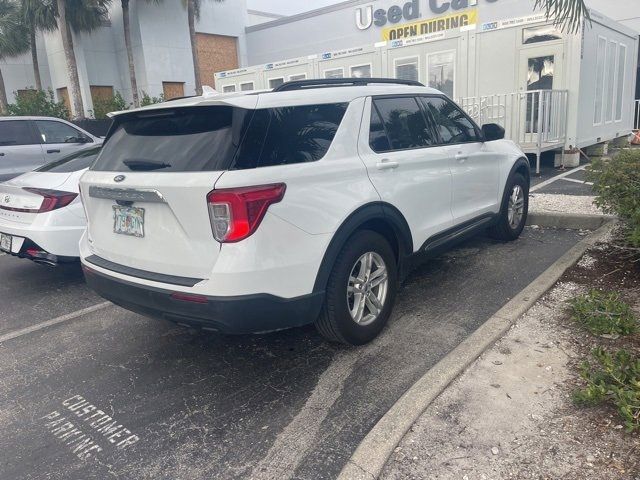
236	213
52	200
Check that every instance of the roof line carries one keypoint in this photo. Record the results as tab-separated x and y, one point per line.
262	13
309	14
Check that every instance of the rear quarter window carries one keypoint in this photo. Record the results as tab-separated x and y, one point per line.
289	135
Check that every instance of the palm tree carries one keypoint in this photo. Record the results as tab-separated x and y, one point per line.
36	16
14	40
193	14
127	43
569	14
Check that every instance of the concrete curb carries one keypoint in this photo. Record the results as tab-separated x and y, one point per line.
373	452
571	221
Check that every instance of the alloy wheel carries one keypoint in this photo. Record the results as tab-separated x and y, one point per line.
367	288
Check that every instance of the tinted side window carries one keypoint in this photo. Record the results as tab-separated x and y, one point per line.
405	123
452	124
377	135
16	132
289	135
72	163
56	132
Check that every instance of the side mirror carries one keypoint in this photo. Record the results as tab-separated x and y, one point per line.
492	131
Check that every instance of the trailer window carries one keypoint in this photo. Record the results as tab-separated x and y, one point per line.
622	68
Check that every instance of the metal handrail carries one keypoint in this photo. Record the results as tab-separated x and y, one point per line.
535	119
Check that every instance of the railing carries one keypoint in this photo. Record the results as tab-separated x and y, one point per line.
636	116
536	120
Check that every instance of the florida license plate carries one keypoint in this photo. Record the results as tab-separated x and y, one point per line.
128	221
5	242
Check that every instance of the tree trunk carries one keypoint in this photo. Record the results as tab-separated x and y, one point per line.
34	58
127	42
3	96
72	68
191	14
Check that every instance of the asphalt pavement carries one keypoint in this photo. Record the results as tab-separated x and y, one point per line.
111	394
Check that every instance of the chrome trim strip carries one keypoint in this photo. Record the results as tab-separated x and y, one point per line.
126	194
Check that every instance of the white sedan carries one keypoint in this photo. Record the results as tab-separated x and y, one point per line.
41	216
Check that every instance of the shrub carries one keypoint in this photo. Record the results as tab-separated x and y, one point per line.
604	313
617	184
103	105
39	103
615	378
149	100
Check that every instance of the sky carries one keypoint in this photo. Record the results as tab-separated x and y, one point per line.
288	7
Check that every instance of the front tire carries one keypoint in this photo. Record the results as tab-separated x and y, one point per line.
514	211
361	290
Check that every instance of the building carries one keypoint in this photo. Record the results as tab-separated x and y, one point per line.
500	59
161	51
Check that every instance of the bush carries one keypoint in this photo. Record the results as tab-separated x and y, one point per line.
39	103
604	313
616	378
617	184
149	100
104	105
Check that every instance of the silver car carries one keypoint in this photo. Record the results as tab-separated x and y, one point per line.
29	142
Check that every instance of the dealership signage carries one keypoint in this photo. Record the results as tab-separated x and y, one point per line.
453	14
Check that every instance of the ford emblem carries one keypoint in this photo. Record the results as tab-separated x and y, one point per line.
119	178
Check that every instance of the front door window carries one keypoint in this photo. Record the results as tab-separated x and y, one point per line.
539	77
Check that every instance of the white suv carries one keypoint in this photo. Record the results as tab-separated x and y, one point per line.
259	211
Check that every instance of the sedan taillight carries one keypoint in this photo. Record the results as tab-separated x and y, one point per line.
236	213
52	200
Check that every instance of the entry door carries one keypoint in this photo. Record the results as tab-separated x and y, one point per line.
406	166
541	68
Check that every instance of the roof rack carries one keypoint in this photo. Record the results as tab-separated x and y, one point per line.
341	82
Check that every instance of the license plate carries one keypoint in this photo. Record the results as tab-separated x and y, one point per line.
128	221
5	242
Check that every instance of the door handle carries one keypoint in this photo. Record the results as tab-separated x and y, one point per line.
461	157
387	164
1	154
53	151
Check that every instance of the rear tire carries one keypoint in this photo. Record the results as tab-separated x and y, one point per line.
514	211
358	302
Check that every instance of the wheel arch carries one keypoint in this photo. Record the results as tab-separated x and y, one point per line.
380	217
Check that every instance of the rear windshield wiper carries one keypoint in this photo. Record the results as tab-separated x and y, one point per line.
145	165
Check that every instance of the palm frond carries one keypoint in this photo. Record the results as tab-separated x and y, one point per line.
39	14
14	34
567	14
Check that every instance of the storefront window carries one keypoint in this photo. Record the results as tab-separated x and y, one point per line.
275	82
334	73
441	72
622	63
609	81
407	69
602	48
545	33
361	71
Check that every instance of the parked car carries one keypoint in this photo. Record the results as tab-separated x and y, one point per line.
41	216
261	211
29	142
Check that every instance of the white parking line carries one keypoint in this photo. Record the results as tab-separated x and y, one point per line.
55	321
575	180
556	178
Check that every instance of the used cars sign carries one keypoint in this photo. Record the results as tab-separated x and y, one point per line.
366	17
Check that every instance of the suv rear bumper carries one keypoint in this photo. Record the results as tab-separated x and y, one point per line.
244	314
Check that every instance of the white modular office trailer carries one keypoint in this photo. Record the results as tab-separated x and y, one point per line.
550	89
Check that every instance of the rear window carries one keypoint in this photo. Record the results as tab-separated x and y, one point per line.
218	138
72	163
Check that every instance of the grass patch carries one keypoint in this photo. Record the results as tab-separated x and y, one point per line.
615	378
604	313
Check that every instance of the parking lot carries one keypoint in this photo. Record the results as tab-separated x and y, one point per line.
110	394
